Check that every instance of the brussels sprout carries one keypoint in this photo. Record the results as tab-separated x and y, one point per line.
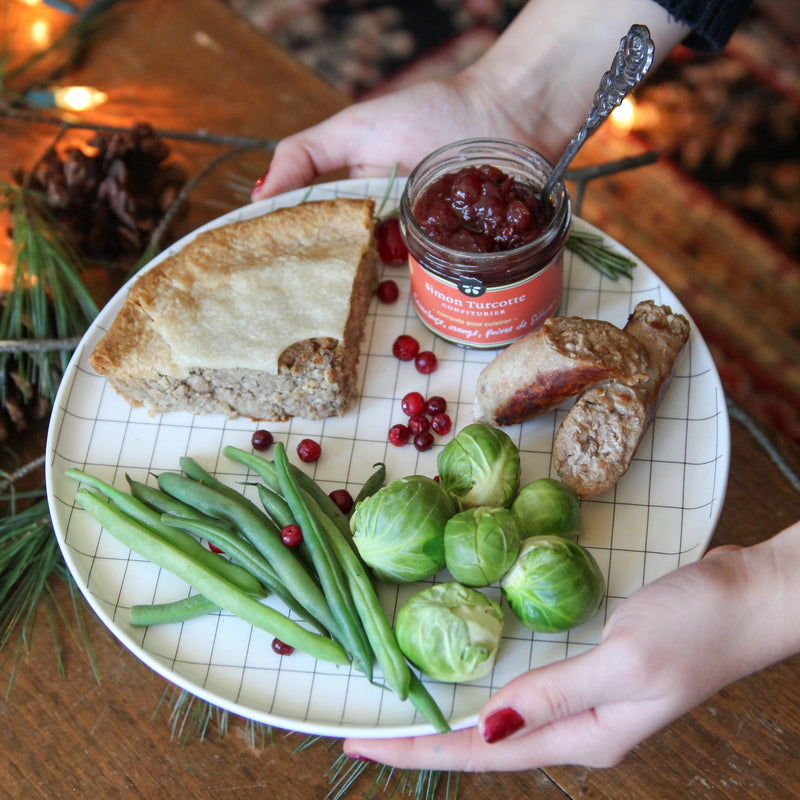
553	585
480	544
399	530
480	466
451	632
547	507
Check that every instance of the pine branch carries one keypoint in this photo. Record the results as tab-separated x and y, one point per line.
17	346
47	299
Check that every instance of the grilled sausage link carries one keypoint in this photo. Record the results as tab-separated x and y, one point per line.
553	363
597	440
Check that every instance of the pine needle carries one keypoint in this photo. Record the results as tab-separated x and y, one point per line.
47	298
389	782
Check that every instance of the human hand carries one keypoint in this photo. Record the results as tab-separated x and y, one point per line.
533	86
665	649
388	132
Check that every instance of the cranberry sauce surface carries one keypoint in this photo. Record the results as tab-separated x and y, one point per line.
481	209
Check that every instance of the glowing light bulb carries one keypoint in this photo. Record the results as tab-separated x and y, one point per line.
40	33
623	116
78	98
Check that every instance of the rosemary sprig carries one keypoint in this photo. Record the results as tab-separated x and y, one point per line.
591	247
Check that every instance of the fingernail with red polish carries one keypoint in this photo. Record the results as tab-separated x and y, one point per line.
259	183
500	724
357	757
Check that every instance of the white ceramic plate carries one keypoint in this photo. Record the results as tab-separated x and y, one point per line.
660	515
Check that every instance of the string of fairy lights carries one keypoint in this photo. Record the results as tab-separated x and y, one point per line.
84	98
42	28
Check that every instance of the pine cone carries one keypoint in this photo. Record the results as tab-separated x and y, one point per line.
110	197
21	408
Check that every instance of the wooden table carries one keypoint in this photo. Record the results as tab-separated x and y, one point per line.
189	64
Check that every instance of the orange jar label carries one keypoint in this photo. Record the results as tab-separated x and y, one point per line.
469	313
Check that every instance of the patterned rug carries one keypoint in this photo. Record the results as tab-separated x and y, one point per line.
729	122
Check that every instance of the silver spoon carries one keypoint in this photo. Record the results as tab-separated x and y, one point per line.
630	65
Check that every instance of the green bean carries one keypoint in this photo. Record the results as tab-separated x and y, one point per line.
276	506
328	568
264	468
162	502
426	705
373	483
368	605
278	510
152	520
262	534
191	607
270	495
328	507
207	582
192	469
245	554
376	625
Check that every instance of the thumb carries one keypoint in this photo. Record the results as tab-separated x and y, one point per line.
545	717
551	693
334	144
293	166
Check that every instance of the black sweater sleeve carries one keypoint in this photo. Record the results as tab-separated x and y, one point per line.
712	21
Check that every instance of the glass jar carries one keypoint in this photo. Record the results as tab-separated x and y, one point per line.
477	299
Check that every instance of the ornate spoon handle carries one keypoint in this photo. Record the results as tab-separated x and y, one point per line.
630	65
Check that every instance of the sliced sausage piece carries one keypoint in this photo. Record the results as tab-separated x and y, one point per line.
553	363
596	442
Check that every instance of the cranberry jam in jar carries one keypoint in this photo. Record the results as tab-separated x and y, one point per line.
485	249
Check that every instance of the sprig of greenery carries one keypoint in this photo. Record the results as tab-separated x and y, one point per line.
30	560
423	784
47	298
190	716
594	250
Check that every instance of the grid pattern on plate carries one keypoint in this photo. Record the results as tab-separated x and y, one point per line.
660	515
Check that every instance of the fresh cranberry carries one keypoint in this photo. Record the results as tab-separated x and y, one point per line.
405	347
261	440
435	405
419	423
309	450
343	499
388	291
389	242
281	648
441	423
213	548
423	441
399	435
291	535
425	362
413	403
